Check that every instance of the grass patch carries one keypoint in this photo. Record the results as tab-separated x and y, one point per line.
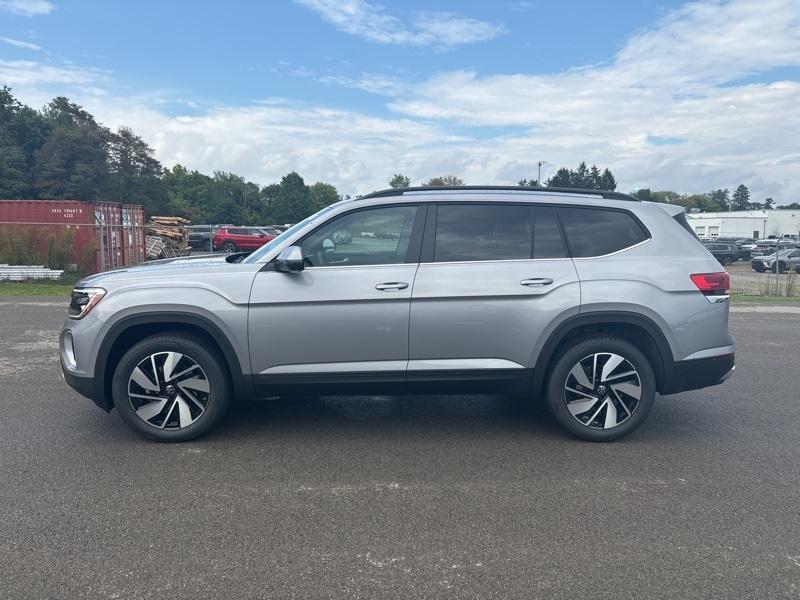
35	288
773	300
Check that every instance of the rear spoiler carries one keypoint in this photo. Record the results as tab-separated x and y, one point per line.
671	209
679	214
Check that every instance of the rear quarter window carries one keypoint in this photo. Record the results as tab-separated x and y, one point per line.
599	231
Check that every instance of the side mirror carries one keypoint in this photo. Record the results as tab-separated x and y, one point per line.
290	260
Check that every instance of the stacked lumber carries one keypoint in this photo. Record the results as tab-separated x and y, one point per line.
172	234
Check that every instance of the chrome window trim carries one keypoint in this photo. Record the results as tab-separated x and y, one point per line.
496	260
404	264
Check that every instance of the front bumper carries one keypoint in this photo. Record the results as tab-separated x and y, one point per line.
699	373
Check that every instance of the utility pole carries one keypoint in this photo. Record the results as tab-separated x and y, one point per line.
539	177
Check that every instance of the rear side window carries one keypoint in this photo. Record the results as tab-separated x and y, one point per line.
468	232
547	239
681	219
599	231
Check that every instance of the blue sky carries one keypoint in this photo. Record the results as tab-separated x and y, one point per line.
686	96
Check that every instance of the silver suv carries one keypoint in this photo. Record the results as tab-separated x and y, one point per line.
594	301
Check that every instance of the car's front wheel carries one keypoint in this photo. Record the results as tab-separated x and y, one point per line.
229	247
171	387
601	388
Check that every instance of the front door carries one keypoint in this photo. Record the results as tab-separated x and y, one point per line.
493	277
343	320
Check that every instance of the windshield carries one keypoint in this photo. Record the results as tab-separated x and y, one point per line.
266	248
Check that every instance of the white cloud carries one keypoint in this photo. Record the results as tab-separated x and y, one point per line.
27	8
20	44
686	78
680	79
24	74
373	23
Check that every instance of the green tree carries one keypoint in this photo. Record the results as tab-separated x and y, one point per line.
322	195
643	194
72	163
607	181
400	181
134	173
741	198
528	183
13	170
562	178
292	203
444	181
720	198
588	178
769	203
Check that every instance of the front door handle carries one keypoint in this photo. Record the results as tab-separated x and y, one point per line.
391	286
535	281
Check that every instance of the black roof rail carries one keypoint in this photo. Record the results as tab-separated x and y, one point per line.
499	188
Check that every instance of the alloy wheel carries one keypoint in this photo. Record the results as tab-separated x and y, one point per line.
168	390
602	390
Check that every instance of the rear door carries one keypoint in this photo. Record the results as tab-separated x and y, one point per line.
491	279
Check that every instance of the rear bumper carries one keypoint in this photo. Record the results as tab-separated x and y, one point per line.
699	373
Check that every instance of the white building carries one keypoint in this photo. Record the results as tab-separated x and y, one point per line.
746	223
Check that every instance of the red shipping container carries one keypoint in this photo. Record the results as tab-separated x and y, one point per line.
93	235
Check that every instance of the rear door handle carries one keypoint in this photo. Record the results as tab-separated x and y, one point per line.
391	286
535	281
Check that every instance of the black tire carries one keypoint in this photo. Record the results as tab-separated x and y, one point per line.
229	247
759	270
560	372
196	350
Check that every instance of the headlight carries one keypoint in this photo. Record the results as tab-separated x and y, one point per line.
84	300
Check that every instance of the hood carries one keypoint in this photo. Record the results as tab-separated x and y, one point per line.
182	265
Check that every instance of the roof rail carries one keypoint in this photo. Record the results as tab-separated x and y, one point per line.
499	188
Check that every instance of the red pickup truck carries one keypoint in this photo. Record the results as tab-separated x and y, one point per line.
241	239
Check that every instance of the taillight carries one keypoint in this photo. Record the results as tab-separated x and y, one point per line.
712	284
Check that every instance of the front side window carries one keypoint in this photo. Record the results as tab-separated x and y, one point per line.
470	232
376	236
599	231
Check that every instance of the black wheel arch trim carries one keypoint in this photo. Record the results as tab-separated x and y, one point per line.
664	371
242	384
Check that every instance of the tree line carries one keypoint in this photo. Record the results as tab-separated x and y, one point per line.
62	152
714	201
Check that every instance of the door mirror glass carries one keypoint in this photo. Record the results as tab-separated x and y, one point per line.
290	260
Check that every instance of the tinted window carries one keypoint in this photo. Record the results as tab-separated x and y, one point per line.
597	231
377	236
547	240
482	232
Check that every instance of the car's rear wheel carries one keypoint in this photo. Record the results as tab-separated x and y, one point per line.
601	388
229	247
171	387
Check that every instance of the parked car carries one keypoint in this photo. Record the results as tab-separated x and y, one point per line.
581	298
241	239
200	236
726	254
783	260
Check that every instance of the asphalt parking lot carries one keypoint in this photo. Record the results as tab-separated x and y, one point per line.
401	497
